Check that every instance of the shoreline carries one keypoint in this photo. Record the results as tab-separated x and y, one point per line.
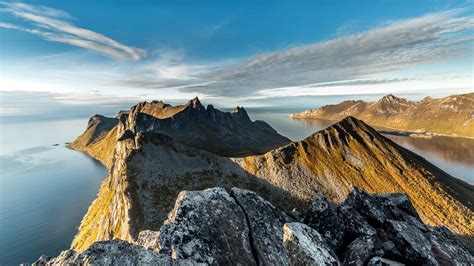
393	131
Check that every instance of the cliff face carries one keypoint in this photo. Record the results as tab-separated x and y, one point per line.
148	168
237	227
222	133
351	153
452	115
151	162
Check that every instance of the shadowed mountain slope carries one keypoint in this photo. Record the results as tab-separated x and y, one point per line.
452	115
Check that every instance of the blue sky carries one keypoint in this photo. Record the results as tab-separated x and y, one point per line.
240	52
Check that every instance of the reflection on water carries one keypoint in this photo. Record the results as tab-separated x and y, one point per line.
453	155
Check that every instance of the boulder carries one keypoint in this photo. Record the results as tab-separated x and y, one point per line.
112	252
265	223
354	224
447	249
372	210
207	227
398	200
362	249
410	241
324	219
305	246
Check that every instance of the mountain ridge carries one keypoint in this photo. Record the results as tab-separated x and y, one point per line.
452	115
148	169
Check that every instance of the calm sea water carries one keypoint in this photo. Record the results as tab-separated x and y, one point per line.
45	188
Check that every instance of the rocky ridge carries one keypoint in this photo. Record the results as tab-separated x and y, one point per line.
238	227
351	153
223	133
148	169
452	115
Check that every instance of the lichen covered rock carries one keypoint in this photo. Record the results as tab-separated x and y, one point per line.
305	246
207	227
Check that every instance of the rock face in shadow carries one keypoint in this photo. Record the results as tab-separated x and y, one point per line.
230	134
450	115
216	227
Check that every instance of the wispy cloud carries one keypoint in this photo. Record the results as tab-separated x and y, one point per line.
54	25
394	46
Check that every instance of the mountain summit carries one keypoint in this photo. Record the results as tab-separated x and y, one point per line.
452	115
223	133
351	153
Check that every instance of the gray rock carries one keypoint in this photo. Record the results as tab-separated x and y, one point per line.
149	239
305	246
298	214
379	261
324	219
373	210
447	249
354	224
207	227
266	223
113	252
362	249
398	200
43	260
410	241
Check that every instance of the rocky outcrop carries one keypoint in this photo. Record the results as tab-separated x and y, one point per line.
351	153
207	227
216	227
452	115
265	222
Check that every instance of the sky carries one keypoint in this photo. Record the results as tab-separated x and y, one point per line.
257	53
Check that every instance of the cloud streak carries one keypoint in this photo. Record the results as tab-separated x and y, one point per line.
53	25
394	46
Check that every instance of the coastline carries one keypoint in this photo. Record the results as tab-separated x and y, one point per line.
392	131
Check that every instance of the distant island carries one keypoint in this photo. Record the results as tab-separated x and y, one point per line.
450	116
191	184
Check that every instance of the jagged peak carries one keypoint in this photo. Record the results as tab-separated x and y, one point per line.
390	98
195	103
238	109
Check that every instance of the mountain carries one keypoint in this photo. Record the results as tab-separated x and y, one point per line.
452	115
237	227
155	150
351	153
150	163
222	133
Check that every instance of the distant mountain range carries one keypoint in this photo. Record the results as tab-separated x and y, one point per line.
452	115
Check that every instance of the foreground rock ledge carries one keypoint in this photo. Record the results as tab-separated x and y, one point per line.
217	227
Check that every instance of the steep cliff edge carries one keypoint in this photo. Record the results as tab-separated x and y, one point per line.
452	115
351	153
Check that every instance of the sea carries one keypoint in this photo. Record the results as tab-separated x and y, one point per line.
46	188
